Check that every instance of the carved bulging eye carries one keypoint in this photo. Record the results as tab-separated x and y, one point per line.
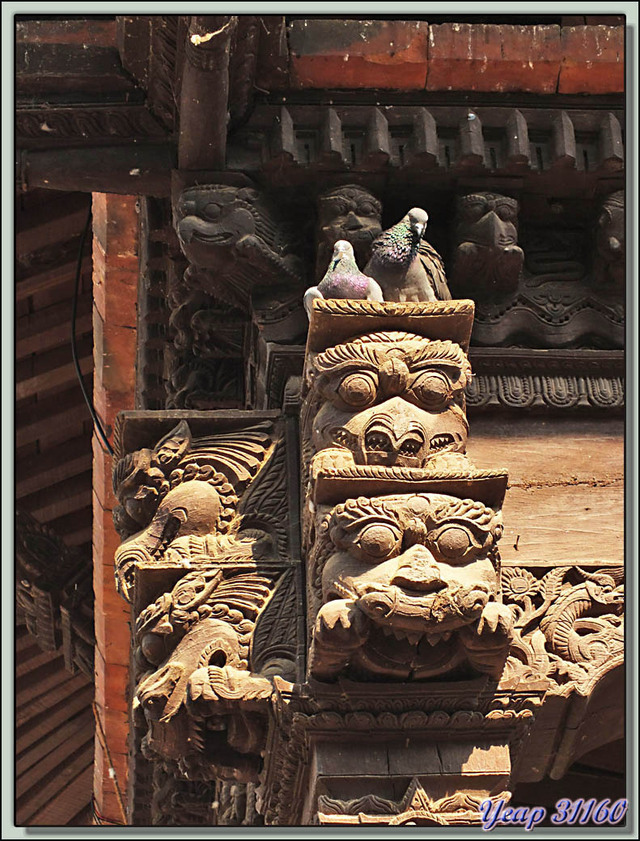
212	211
366	209
433	391
358	390
474	211
455	543
506	212
378	541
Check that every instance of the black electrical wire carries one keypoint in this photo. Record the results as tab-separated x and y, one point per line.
74	351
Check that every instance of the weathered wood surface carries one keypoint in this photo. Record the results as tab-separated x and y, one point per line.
565	502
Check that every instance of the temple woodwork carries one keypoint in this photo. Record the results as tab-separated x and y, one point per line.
332	620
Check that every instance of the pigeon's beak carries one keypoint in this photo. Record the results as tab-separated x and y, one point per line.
419	228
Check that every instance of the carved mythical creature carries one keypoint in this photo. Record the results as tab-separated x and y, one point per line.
348	213
184	494
343	279
408	588
487	260
568	624
202	703
237	240
391	399
610	244
405	265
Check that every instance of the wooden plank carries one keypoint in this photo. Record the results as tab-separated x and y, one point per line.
53	379
34	724
54	413
50	279
26	807
553	450
43	319
53	466
564	525
62	499
40	682
55	335
37	772
59	228
71	807
25	666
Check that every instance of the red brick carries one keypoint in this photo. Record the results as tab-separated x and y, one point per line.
115	223
115	358
112	684
116	302
593	59
490	57
102	482
358	54
115	724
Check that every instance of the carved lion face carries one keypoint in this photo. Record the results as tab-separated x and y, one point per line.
421	563
393	399
350	213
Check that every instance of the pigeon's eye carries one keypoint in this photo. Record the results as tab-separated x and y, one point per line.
433	391
358	390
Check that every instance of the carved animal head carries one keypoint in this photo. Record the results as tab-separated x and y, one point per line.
348	213
488	219
421	567
610	240
394	399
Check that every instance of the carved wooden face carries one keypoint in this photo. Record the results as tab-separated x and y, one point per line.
487	219
392	402
350	213
420	563
211	220
419	570
610	239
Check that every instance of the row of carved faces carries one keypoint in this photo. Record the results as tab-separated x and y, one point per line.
225	228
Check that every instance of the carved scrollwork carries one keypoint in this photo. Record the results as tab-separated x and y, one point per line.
567	624
184	493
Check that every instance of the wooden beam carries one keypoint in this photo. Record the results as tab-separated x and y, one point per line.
205	91
131	169
59	411
56	465
52	379
49	279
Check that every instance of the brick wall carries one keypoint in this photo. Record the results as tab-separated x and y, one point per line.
115	291
414	55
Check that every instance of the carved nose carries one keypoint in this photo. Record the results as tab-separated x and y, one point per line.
419	572
352	223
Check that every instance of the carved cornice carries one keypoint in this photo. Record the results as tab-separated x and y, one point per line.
86	125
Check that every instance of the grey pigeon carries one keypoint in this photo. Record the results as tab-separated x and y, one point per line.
406	266
343	279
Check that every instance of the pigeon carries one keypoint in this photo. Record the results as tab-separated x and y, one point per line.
406	266
343	279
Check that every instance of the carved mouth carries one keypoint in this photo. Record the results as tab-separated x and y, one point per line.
439	442
414	637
